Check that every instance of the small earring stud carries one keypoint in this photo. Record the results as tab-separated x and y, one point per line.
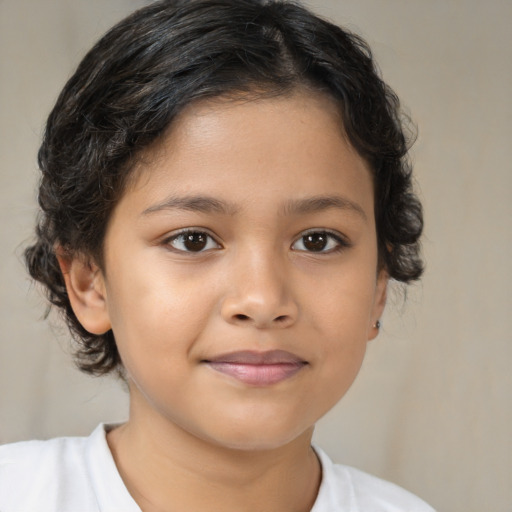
377	324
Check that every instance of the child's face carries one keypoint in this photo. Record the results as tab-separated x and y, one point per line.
195	318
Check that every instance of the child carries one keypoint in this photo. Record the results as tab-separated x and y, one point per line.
225	194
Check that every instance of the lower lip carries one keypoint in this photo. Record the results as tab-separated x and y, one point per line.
258	374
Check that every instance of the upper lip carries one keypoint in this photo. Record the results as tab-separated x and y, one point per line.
257	358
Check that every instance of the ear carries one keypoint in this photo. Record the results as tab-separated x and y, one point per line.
85	285
381	292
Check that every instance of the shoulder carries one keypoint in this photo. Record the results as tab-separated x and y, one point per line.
37	475
12	455
372	493
347	488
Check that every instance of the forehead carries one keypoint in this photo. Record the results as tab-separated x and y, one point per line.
237	149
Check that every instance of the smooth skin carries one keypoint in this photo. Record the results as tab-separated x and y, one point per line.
279	253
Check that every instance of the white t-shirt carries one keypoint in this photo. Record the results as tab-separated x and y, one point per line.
78	474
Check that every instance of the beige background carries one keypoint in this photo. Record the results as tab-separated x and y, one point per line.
432	407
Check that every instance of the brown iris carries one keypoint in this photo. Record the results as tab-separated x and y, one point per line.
315	242
195	241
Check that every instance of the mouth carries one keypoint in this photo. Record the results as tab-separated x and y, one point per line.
258	368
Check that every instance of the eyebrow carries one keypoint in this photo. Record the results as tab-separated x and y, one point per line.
320	203
202	204
207	204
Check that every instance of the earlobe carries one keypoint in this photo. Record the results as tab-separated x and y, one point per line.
379	304
86	292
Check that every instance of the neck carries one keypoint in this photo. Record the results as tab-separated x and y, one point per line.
167	468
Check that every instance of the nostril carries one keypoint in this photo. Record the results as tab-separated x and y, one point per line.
242	317
281	319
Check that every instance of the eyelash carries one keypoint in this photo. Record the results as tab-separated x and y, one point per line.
340	242
182	234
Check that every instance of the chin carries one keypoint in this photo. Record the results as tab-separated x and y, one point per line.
261	439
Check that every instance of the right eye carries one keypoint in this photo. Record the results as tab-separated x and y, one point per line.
192	241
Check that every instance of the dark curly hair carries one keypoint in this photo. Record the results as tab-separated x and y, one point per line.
129	88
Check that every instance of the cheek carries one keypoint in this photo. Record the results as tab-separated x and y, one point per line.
341	306
341	316
156	316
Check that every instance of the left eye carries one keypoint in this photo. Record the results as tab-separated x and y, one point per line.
192	241
318	241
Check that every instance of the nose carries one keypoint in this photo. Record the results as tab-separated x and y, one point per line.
259	294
